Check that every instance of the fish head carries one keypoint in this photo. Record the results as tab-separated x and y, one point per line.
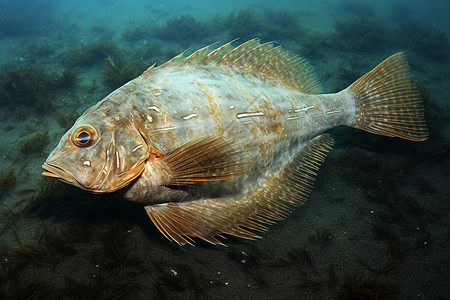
99	154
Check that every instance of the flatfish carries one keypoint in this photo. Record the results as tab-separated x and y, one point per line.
228	140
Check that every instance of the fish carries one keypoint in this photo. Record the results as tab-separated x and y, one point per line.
227	140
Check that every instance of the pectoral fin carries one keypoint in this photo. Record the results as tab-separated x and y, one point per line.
207	159
272	199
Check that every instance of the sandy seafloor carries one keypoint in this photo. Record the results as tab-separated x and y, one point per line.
376	226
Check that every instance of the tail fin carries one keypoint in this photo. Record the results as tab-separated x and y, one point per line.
387	103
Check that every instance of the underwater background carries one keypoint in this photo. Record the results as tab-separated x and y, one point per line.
376	226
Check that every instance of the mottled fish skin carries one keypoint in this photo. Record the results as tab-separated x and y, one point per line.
248	115
270	121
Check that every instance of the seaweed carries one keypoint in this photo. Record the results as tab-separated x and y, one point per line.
360	34
246	256
35	144
7	182
30	254
33	86
26	86
66	120
322	237
301	256
180	277
33	291
92	53
136	33
68	79
332	278
115	252
117	72
82	289
349	71
356	287
313	44
383	231
425	188
281	25
56	241
398	247
183	29
244	24
42	50
420	37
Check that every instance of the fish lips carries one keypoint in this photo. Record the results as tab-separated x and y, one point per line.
57	172
53	171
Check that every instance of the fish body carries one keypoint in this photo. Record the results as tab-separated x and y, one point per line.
226	141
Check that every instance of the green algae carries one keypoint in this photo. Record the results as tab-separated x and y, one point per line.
7	181
35	144
91	54
427	41
362	34
32	86
118	72
183	29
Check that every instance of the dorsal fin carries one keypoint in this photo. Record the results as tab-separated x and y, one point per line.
252	57
270	201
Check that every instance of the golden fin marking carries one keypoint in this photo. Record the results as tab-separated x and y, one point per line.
268	62
237	50
269	46
253	51
195	54
149	70
174	60
199	54
251	61
217	52
388	103
206	159
209	219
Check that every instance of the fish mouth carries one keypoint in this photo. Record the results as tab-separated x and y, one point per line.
54	171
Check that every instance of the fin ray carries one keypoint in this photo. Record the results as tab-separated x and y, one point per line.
252	57
207	159
388	103
208	219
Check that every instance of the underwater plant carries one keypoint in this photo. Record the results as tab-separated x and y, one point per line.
33	86
67	80
244	24
7	181
183	29
312	45
360	34
92	53
420	37
25	85
281	24
35	144
136	33
66	120
117	72
357	287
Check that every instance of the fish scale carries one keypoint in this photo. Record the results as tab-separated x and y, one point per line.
226	141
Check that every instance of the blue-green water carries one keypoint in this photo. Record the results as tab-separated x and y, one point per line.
376	225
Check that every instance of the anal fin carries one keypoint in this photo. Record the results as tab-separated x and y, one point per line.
241	215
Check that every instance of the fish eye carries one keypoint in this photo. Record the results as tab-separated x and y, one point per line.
84	136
